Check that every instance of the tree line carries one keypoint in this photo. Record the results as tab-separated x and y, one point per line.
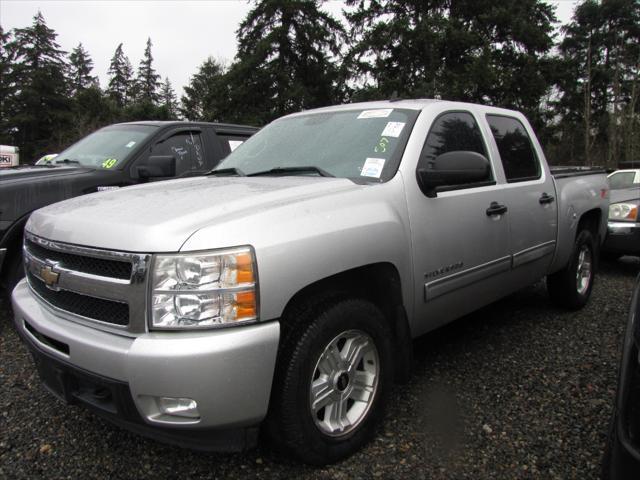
579	88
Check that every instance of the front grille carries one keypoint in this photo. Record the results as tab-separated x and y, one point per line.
80	263
90	307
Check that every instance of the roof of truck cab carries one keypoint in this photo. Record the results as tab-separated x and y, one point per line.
178	123
409	104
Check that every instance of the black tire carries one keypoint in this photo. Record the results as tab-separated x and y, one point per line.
617	464
562	285
291	425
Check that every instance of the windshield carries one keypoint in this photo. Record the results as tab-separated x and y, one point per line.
618	181
357	144
107	148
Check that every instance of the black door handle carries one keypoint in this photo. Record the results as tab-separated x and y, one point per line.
546	198
496	209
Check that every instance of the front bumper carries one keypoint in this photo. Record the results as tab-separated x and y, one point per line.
623	237
228	372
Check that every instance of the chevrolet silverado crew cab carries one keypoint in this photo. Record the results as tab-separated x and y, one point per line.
112	157
283	289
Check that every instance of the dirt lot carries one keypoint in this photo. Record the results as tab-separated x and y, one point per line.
518	390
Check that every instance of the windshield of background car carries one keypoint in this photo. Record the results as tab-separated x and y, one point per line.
106	148
618	181
364	145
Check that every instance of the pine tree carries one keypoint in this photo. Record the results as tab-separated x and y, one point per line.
473	50
285	60
147	81
168	99
121	73
42	110
599	83
206	97
81	65
8	86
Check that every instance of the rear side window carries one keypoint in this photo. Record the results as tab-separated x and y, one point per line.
231	142
519	161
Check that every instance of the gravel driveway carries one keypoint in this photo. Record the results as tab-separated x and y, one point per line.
517	390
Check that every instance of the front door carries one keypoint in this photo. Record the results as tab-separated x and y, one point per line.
460	238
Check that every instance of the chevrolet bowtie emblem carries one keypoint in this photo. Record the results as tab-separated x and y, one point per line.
49	276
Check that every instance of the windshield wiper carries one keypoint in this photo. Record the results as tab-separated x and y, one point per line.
227	172
294	170
66	160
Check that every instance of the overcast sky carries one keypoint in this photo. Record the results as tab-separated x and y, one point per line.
184	33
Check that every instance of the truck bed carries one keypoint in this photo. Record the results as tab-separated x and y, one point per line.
574	171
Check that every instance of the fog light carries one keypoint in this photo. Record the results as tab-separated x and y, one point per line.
179	407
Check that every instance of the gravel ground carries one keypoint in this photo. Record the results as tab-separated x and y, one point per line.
519	389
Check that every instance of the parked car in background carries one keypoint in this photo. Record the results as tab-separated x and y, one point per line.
9	156
112	157
623	228
284	288
622	455
622	179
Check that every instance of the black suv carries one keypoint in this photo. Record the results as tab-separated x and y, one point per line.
112	157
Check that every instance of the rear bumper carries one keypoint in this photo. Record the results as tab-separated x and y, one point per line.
228	372
623	237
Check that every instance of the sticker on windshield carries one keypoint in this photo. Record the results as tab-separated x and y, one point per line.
393	129
130	144
109	162
107	188
380	113
381	147
372	167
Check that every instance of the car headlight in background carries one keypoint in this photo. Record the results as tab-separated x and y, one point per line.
204	290
623	212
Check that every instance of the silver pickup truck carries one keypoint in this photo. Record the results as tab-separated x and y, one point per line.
281	291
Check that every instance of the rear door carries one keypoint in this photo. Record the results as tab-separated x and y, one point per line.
461	251
530	198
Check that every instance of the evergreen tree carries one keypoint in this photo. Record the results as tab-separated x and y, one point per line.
147	81
42	109
81	65
285	60
168	99
121	73
8	86
206	98
473	50
599	83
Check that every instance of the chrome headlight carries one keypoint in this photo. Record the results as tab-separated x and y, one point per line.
623	212
204	290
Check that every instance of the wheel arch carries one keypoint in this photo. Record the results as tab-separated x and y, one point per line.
379	283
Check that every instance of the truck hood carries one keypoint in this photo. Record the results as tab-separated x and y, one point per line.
35	173
161	216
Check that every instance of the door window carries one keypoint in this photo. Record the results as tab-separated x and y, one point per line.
187	149
519	160
231	142
453	132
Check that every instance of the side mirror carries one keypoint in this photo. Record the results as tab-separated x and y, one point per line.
453	168
157	166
